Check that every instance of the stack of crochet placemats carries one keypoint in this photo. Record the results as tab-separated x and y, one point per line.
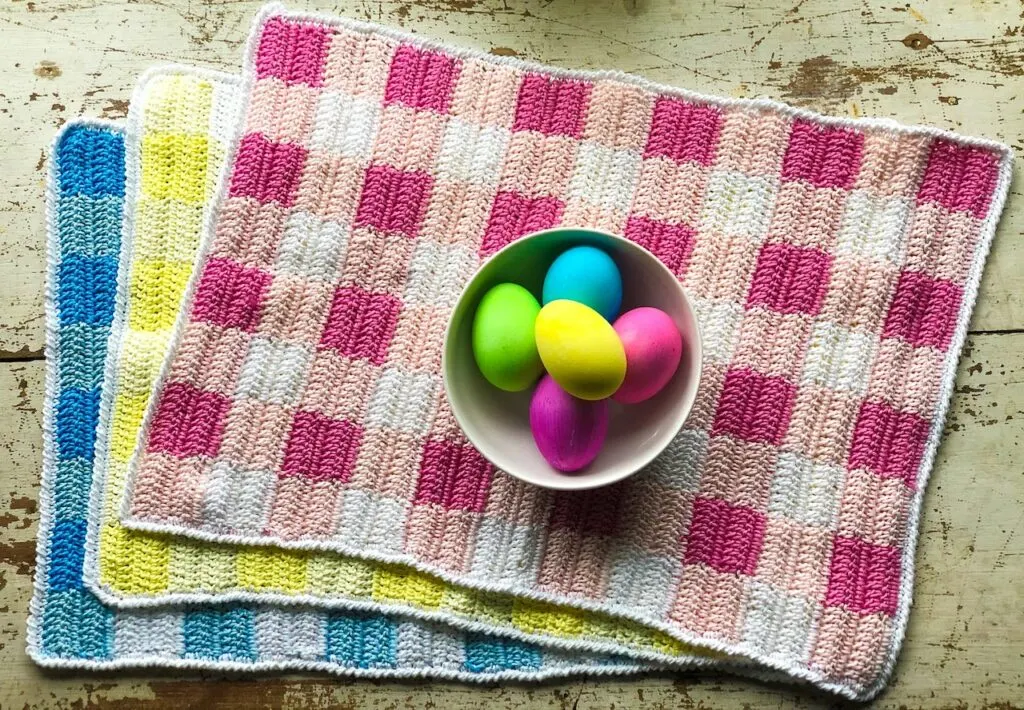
249	459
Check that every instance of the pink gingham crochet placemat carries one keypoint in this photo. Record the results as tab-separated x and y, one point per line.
833	263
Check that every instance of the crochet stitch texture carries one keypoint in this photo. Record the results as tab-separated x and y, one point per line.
177	128
68	626
833	263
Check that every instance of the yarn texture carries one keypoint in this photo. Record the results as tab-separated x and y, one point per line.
833	264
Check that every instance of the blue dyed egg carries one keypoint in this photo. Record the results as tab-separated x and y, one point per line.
586	275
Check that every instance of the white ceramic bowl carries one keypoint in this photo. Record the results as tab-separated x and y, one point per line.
498	423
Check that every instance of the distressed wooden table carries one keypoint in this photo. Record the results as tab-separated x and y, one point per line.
953	63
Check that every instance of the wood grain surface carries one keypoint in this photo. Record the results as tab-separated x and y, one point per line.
953	63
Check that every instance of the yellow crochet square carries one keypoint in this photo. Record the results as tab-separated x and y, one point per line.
167	229
137	564
157	287
142	355
539	617
201	568
478	606
266	569
343	576
124	425
174	166
178	104
405	584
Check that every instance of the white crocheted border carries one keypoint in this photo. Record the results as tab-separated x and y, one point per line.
777	662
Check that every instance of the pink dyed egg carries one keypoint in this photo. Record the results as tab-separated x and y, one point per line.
653	347
568	431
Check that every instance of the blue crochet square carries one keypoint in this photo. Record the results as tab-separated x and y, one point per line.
223	634
361	642
83	349
485	654
71	489
91	162
67	551
87	289
77	415
76	625
91	226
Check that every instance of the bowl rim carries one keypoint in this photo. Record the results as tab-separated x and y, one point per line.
579	482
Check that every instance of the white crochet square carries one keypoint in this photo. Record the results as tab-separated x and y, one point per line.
429	647
738	204
371	522
403	401
519	546
438	273
148	633
605	177
274	372
839	358
223	112
345	125
805	490
282	634
238	501
679	466
471	153
643	581
720	328
873	227
778	623
312	248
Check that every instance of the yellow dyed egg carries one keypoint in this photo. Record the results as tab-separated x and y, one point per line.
580	350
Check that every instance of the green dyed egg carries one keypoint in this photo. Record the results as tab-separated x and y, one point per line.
580	350
503	337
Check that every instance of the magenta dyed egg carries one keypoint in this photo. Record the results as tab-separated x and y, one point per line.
653	348
568	431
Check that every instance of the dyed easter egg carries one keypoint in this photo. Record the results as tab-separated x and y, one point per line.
503	337
586	275
580	350
653	348
568	431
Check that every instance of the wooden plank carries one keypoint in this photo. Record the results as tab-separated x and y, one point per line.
964	646
944	62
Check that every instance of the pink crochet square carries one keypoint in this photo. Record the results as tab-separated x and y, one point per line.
321	448
230	295
293	52
888	442
672	243
684	131
453	476
267	171
824	157
754	407
393	200
725	537
551	106
361	324
421	79
924	311
960	178
514	216
790	279
864	578
188	422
